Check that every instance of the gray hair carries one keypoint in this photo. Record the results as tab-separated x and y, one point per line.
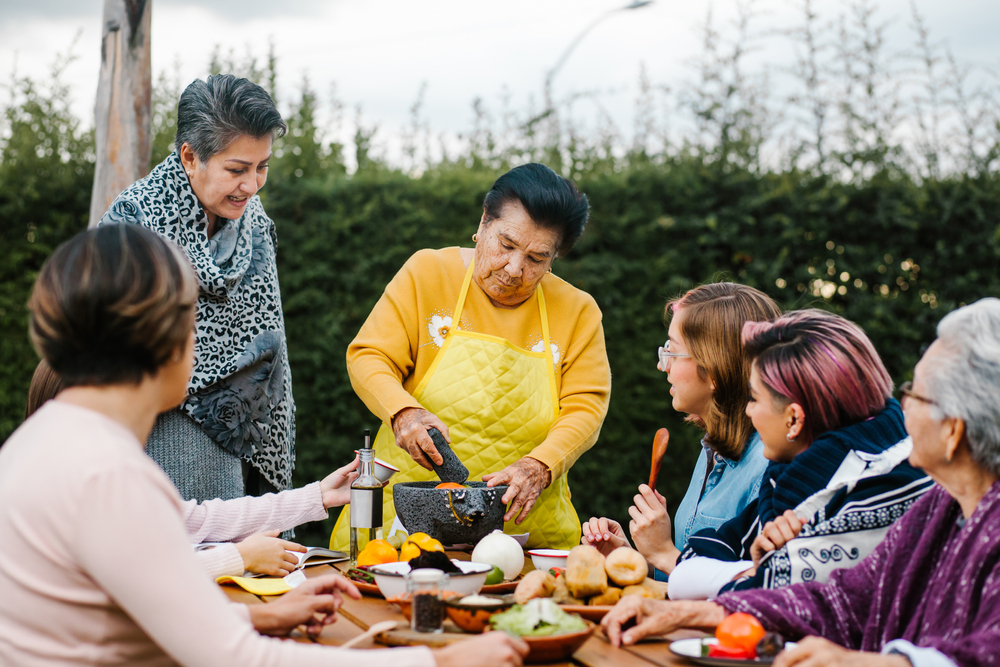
214	113
965	380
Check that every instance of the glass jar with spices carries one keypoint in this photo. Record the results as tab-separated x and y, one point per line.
427	612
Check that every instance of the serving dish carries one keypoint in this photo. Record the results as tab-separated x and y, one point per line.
557	647
389	577
692	649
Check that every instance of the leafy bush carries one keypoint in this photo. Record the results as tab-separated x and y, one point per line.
46	172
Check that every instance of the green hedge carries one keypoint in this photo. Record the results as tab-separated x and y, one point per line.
655	231
911	252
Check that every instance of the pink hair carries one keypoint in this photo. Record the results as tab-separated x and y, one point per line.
824	363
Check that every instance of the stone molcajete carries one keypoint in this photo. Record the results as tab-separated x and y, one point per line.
453	516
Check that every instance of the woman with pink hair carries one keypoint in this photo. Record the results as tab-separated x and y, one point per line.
820	399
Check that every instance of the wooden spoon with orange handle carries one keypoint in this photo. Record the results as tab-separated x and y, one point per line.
660	441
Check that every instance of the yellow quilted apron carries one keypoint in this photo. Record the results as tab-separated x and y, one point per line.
499	402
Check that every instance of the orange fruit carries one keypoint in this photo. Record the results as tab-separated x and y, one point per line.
425	542
408	551
450	485
417	541
377	552
740	630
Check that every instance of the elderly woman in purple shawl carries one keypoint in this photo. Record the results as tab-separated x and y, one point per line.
929	595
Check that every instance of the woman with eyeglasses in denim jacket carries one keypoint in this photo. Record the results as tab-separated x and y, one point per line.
709	380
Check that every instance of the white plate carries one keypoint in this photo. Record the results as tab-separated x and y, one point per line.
691	649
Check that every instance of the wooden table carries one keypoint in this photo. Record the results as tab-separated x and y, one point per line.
357	615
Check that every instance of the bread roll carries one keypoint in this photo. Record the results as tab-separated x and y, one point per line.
626	566
585	575
647	589
610	596
561	594
535	584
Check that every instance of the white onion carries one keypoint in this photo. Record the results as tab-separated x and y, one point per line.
502	551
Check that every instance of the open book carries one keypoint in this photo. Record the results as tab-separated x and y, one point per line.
312	556
318	556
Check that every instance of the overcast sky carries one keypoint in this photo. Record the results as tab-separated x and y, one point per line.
380	52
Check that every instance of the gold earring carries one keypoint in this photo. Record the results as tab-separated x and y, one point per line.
475	238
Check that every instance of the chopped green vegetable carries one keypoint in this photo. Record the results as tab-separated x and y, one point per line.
537	618
357	574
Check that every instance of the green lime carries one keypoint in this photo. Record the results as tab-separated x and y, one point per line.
495	576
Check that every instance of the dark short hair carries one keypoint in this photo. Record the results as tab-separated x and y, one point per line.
550	200
111	305
214	113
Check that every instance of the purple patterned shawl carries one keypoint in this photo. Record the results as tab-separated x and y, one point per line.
930	581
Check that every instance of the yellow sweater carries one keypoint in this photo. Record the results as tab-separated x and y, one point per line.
402	335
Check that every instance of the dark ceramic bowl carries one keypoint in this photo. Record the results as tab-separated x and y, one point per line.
453	516
475	617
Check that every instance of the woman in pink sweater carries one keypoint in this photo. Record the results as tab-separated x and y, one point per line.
96	565
238	525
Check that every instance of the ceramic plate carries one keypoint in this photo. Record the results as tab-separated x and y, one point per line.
691	649
501	588
367	589
591	612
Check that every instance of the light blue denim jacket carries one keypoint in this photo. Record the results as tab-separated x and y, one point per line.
730	487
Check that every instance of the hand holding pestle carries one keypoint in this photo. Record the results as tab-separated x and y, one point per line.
451	469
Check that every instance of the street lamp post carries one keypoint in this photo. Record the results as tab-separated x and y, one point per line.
636	4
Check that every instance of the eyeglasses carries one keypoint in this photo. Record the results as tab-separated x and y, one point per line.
906	389
664	355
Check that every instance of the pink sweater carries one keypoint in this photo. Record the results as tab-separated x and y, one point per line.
235	520
96	566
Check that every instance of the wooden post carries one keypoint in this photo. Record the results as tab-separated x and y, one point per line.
124	90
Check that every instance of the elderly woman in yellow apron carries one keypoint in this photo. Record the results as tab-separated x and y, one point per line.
504	358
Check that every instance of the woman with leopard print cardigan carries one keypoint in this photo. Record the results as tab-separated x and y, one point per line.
235	432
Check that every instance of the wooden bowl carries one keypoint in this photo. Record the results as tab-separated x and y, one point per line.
474	617
556	648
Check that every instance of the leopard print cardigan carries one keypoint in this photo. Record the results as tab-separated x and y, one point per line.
240	392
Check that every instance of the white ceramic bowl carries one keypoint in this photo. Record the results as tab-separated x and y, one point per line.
389	578
383	470
543	559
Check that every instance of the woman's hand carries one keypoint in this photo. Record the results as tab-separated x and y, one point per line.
410	428
313	604
336	487
486	650
817	652
265	553
657	617
774	535
604	534
650	527
527	478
